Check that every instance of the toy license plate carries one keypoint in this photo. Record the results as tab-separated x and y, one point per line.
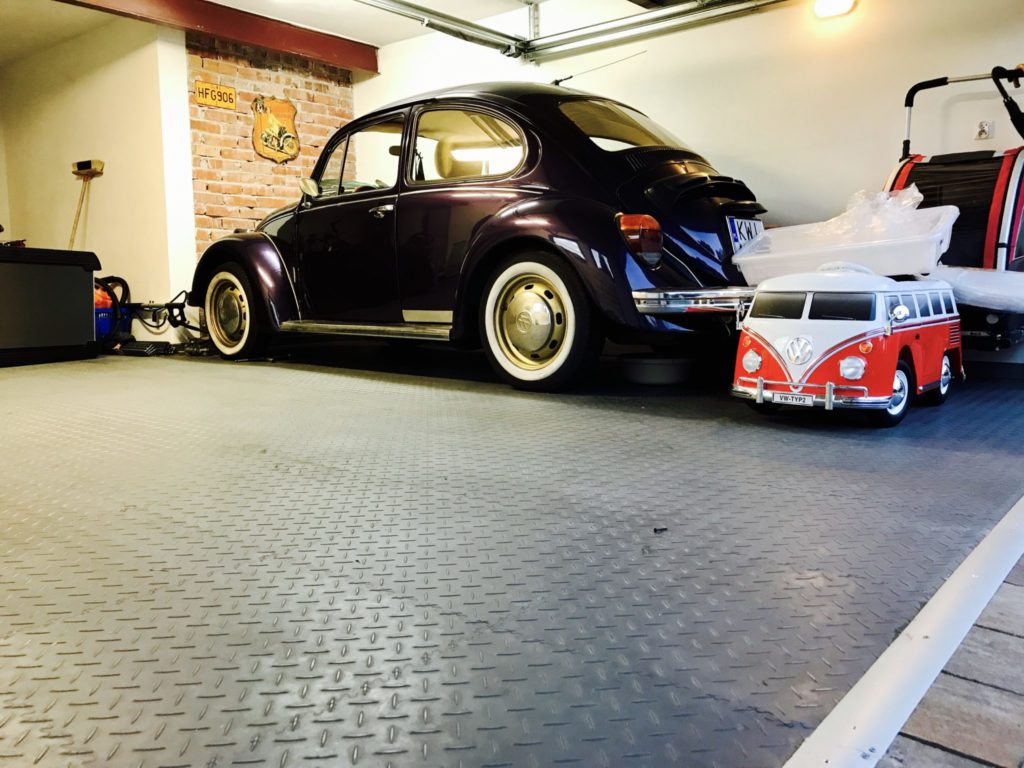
742	231
785	398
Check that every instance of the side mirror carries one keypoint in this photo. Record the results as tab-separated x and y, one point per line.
309	187
899	313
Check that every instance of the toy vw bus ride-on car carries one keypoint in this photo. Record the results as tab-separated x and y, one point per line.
844	337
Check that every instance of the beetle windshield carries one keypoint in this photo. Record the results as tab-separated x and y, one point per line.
614	127
779	306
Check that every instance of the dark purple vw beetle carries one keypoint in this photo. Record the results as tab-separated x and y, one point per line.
530	219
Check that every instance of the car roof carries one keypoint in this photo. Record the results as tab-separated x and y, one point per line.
498	91
844	281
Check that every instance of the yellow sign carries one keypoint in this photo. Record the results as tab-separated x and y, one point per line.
274	135
213	95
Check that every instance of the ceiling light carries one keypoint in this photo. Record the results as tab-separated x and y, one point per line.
826	9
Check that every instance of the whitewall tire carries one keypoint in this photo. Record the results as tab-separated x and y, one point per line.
230	313
537	324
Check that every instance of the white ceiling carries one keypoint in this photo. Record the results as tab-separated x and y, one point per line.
347	18
31	25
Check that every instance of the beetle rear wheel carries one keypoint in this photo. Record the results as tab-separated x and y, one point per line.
539	328
230	316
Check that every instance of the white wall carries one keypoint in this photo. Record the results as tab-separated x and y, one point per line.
806	111
99	96
5	210
176	139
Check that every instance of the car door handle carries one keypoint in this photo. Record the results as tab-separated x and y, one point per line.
381	211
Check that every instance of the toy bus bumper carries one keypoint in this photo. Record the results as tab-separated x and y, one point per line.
828	396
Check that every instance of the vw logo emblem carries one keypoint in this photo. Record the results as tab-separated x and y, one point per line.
798	350
524	321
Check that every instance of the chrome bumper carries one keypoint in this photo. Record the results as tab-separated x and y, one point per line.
831	395
723	301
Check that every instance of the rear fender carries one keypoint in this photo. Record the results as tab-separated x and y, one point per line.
257	254
582	232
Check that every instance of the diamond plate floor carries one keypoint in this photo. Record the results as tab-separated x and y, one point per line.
206	564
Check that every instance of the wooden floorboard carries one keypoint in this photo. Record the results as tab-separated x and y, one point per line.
1017	575
1006	611
907	753
973	719
975	708
992	658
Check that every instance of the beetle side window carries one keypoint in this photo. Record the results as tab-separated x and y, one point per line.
456	144
366	160
842	306
330	179
780	306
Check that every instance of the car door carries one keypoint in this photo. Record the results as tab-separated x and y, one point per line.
461	170
346	234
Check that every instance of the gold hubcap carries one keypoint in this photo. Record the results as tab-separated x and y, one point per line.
530	321
229	314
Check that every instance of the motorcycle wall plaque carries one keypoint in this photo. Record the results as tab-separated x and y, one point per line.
274	135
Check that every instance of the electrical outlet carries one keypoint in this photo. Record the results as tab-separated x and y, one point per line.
986	129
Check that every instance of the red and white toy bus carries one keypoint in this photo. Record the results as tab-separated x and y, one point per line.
844	337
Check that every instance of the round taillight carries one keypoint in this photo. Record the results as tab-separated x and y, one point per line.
642	234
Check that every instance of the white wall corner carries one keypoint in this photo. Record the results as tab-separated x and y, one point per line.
5	208
172	65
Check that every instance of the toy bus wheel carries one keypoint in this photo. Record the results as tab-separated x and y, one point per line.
938	395
902	395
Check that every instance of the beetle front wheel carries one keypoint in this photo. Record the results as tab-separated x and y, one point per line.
539	329
230	314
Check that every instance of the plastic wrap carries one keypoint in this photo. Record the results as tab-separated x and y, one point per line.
885	232
985	288
871	216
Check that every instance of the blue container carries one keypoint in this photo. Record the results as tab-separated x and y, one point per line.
105	320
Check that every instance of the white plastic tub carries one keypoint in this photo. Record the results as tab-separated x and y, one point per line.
986	288
785	250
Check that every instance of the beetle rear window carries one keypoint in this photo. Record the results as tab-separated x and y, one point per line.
780	306
614	127
842	306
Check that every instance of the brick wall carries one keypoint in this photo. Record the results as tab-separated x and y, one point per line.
235	187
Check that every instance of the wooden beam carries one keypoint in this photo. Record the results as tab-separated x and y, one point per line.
243	27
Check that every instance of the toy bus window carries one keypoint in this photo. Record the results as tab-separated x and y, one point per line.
842	306
923	308
947	298
936	300
907	300
779	306
891	302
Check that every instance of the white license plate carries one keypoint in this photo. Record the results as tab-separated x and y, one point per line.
742	231
785	398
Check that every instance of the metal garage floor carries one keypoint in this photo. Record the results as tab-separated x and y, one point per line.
208	564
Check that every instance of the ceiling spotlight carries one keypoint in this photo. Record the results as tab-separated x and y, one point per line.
826	9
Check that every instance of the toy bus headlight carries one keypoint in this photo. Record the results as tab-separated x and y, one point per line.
852	368
751	361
